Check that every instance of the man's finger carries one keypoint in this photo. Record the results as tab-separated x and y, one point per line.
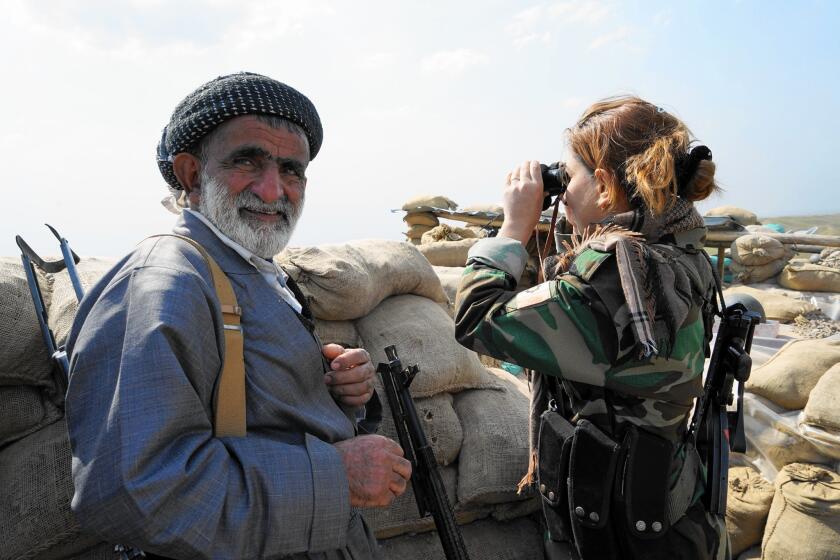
402	467
350	389
397	485
332	351
348	376
350	358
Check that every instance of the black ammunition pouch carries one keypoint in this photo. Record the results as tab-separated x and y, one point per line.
593	487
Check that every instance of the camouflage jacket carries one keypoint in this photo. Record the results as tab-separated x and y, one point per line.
577	328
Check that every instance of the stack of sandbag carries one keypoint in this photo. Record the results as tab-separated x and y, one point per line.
447	253
35	516
743	217
474	418
757	257
450	278
804	518
420	217
747	504
777	306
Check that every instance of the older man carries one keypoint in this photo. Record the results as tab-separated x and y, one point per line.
148	346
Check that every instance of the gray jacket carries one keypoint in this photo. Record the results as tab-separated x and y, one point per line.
145	355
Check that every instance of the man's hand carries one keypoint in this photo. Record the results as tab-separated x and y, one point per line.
376	470
351	380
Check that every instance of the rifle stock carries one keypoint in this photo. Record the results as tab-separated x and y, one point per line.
425	479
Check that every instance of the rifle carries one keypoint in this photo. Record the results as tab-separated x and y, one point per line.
714	430
69	260
425	480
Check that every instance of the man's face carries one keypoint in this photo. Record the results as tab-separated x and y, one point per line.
253	183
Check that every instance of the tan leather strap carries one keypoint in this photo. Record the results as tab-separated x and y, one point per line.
229	394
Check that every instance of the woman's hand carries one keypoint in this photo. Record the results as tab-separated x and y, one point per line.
522	201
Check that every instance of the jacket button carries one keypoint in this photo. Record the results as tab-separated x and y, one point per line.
551	495
542	488
640	526
656	526
594	516
579	511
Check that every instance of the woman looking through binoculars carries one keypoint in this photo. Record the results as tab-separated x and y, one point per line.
616	337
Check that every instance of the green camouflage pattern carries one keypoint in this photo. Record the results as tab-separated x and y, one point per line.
577	327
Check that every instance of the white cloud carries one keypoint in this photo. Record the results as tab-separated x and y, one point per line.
453	62
377	61
619	35
580	11
524	40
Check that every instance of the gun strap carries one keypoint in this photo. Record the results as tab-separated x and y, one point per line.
229	393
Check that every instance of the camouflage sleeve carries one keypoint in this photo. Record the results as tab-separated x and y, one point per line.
550	328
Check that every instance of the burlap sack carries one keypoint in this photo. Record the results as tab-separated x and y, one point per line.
804	519
424	335
24	359
445	232
776	306
823	408
416	232
750	274
756	249
492	208
484	540
343	282
35	517
402	515
743	217
752	553
447	253
25	409
747	504
810	277
494	455
430	201
343	333
63	308
438	420
788	377
421	219
450	278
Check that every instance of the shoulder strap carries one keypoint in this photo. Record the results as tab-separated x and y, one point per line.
229	393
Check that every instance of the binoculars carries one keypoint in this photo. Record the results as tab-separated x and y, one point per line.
555	182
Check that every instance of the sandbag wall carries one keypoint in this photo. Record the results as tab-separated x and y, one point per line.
379	293
35	517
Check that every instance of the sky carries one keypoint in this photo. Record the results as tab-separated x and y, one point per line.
438	97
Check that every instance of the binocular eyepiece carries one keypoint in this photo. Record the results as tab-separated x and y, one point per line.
555	181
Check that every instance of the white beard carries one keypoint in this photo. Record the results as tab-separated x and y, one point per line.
262	239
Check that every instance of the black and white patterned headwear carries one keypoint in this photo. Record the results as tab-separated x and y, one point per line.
230	96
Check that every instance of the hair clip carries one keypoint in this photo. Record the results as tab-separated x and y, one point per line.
660	110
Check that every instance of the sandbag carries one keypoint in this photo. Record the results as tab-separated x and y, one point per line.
749	274
35	516
747	504
417	230
756	249
421	219
823	408
445	232
776	306
62	309
485	540
752	553
743	217
485	208
494	454
438	420
424	335
343	333
24	359
810	277
804	519
788	377
25	409
450	278
430	201
342	282
447	253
